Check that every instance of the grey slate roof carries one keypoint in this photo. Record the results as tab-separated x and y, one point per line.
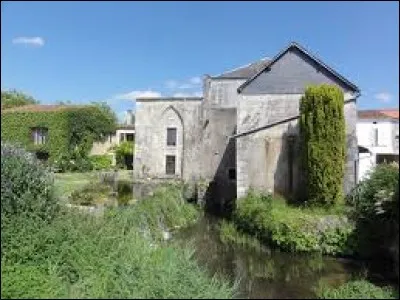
304	51
246	71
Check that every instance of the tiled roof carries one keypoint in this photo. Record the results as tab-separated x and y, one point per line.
246	71
379	114
41	108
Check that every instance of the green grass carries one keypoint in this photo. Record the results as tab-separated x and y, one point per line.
83	256
294	229
358	289
66	183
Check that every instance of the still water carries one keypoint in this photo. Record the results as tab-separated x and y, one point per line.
269	274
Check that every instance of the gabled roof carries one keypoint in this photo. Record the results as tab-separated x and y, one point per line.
296	46
41	108
246	71
379	114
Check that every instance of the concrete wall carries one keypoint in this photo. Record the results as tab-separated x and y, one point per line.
291	74
263	157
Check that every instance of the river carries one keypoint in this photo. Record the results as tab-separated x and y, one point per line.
271	274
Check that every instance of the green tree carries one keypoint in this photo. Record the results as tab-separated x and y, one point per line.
14	98
322	127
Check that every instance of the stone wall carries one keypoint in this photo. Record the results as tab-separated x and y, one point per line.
152	120
263	157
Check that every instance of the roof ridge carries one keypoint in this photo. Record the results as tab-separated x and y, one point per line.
243	66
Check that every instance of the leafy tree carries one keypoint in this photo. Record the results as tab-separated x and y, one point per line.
322	127
14	98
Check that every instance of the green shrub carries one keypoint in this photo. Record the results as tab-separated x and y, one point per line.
26	185
375	210
24	281
293	229
359	289
75	161
101	162
125	148
322	127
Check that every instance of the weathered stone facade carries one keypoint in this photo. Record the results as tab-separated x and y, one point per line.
210	144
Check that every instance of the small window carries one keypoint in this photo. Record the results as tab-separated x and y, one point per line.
130	137
39	135
232	174
122	137
170	164
171	136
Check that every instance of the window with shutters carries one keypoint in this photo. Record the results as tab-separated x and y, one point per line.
171	136
39	135
170	164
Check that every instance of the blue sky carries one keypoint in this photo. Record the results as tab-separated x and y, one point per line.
114	51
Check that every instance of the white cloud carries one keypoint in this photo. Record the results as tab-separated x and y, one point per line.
138	94
30	41
383	97
193	94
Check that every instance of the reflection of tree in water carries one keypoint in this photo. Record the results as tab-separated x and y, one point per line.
263	274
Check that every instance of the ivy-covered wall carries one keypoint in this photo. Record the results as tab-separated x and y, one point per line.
68	128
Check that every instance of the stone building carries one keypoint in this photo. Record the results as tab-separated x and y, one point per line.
243	132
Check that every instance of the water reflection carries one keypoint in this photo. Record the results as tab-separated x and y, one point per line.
264	274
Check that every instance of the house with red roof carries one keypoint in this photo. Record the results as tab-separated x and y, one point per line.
378	138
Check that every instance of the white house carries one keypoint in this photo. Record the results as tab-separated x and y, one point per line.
378	138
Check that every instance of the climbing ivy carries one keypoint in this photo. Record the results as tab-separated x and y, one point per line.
70	128
322	127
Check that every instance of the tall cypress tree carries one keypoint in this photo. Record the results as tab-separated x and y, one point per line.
322	127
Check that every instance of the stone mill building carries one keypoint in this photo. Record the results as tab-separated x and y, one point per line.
243	132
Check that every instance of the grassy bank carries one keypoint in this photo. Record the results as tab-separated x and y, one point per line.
293	229
80	256
66	183
357	289
120	255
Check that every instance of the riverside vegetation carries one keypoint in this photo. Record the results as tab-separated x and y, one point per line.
50	252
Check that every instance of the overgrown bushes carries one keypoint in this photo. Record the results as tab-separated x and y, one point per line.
293	229
80	256
101	162
376	210
322	128
26	186
358	289
77	255
122	151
